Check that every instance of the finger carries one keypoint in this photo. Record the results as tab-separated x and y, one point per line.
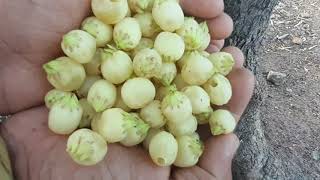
30	131
215	46
203	8
242	81
25	90
237	55
220	27
218	154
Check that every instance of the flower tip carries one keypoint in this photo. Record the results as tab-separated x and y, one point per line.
50	67
69	40
172	88
204	27
71	101
144	128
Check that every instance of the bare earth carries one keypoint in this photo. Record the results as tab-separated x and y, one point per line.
289	114
292	110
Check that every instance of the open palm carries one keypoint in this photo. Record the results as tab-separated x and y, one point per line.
30	34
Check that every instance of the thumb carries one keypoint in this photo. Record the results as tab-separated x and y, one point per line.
203	9
218	154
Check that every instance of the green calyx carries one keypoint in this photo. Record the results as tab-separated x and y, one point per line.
52	67
190	55
54	96
217	129
129	121
167	74
142	127
71	101
187	54
107	53
98	105
80	150
203	118
166	78
91	28
155	27
194	54
223	62
193	41
123	41
192	33
172	89
142	5
204	27
167	58
132	121
226	67
174	97
196	146
70	41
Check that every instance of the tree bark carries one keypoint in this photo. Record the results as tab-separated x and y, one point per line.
251	18
254	159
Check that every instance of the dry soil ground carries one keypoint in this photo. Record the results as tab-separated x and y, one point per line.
290	113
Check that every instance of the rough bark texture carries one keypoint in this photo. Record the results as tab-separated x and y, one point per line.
251	18
254	160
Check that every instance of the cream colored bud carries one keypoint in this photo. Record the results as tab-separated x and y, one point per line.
86	147
163	149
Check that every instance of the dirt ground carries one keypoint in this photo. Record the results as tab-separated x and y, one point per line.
291	111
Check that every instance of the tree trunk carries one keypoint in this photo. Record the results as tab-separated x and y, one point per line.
254	159
251	18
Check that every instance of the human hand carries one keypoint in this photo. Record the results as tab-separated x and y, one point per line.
30	36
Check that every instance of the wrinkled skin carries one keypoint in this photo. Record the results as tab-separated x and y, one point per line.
30	34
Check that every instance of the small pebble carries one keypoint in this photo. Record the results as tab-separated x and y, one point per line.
297	40
305	15
289	90
293	106
316	155
276	78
